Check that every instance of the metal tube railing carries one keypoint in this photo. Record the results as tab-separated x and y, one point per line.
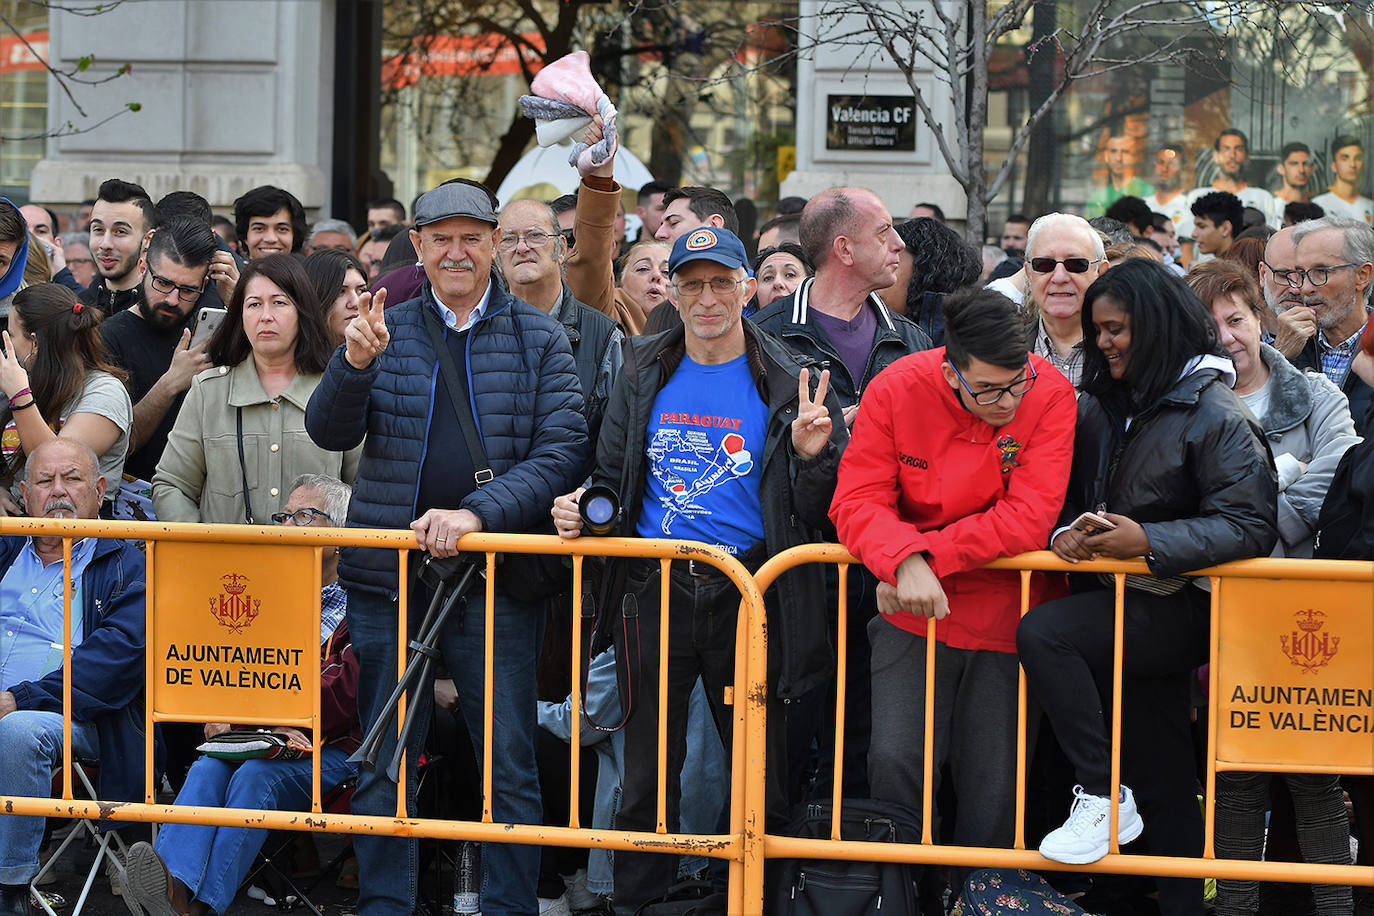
747	845
925	852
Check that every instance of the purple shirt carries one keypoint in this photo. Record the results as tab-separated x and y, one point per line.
853	340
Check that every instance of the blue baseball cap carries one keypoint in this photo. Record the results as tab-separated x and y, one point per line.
707	244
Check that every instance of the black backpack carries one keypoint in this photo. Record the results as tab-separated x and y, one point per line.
817	887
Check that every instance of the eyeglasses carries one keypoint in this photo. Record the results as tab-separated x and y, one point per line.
721	286
301	517
1072	265
188	294
534	238
71	261
989	396
1318	275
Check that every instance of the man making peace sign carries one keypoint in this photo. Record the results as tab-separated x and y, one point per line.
713	433
514	378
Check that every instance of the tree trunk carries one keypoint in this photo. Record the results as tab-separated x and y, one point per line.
975	125
1040	149
513	143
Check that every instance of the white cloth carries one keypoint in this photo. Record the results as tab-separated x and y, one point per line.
1334	205
1177	211
1009	287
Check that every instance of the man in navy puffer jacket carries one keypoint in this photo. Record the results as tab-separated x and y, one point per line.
416	471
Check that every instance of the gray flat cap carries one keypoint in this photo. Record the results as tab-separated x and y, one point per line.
454	199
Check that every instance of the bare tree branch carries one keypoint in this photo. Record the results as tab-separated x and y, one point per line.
65	78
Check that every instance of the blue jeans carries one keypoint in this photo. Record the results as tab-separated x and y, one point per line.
213	861
33	749
387	867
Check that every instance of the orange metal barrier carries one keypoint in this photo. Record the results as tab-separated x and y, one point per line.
186	564
1265	588
182	558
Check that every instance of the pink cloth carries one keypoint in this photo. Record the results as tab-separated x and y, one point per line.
569	79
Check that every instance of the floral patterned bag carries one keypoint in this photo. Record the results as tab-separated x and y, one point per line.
1011	892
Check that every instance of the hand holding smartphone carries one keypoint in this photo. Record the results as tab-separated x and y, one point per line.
207	322
1090	523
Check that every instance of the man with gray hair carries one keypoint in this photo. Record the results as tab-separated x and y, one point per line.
1334	275
107	606
199	867
1064	255
330	233
483	454
76	247
837	318
530	251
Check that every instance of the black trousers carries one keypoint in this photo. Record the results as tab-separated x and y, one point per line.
809	720
702	615
1066	649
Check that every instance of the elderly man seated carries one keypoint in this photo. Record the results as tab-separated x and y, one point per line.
195	868
107	650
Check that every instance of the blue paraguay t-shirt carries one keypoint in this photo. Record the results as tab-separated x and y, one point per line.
704	447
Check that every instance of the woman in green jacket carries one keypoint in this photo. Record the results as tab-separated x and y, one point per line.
240	439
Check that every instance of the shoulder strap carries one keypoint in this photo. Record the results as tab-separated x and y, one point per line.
243	470
458	398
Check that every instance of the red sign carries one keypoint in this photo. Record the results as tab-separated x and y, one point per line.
15	55
487	54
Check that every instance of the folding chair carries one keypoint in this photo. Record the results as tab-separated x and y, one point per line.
110	847
274	868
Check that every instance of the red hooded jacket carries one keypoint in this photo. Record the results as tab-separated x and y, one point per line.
923	474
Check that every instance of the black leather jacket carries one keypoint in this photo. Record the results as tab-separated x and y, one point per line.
1345	530
1193	469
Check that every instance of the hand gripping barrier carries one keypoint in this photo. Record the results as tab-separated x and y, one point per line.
241	574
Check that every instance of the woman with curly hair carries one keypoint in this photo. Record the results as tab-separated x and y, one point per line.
936	262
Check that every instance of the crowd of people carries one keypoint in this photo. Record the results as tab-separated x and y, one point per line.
1166	381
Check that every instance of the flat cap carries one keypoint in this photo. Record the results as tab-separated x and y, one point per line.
452	199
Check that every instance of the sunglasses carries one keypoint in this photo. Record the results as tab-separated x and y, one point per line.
1072	265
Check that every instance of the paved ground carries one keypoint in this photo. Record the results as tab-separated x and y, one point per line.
331	900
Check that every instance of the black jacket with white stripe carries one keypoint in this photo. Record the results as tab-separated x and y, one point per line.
789	320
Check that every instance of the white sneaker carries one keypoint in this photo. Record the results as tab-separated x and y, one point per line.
554	906
1084	836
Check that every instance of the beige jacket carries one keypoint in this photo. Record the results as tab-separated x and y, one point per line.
591	271
199	478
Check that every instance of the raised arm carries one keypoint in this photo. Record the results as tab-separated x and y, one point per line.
591	266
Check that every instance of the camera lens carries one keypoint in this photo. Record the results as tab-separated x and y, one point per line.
600	510
599	507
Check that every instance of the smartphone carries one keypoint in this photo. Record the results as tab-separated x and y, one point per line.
1091	523
207	322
